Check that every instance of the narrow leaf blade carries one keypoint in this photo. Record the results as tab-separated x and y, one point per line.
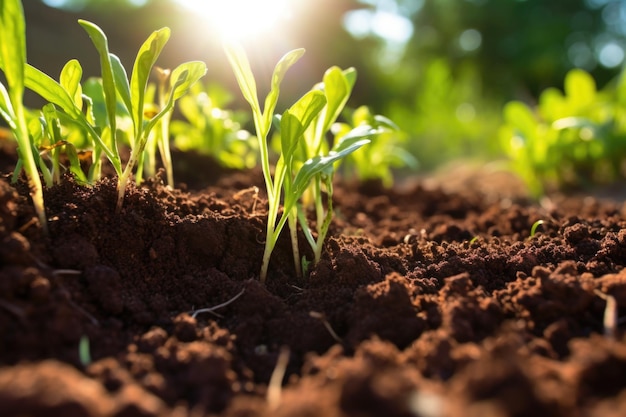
146	58
324	163
13	45
281	68
243	73
121	81
100	41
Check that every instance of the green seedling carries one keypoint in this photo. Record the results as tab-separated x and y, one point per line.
337	87
159	138
118	90
132	92
535	226
52	147
13	64
321	179
292	175
262	122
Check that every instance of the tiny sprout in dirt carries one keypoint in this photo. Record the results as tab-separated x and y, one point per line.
535	227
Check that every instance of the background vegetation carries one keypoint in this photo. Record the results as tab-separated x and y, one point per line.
443	70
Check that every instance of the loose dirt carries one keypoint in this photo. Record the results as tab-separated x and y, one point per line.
429	301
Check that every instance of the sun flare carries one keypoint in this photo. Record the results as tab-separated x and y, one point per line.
240	19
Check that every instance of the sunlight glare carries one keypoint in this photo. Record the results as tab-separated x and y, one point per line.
239	19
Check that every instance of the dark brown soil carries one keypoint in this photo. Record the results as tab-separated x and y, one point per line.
440	302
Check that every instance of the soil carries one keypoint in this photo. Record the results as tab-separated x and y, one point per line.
431	300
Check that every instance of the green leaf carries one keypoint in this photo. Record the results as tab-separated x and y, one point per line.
94	98
184	76
382	121
297	119
323	163
281	68
50	90
337	89
52	124
553	105
70	78
350	74
13	45
354	140
580	88
243	73
573	123
355	135
72	155
121	81
146	58
100	41
6	109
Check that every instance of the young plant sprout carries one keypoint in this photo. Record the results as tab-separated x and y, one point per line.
118	91
337	87
132	94
12	64
293	173
534	228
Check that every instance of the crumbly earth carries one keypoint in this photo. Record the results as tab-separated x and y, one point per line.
428	302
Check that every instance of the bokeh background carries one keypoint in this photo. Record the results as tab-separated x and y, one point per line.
441	69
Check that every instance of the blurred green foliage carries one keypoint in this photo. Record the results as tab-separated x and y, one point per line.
445	87
466	59
570	139
386	150
209	128
448	118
